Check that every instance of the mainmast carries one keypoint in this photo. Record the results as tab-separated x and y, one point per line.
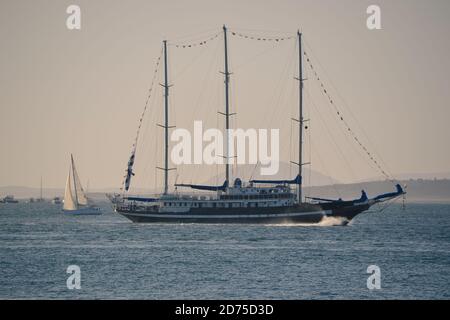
166	122
227	111
300	119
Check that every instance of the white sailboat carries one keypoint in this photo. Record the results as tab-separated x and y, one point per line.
75	200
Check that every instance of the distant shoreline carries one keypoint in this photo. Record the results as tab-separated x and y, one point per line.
432	191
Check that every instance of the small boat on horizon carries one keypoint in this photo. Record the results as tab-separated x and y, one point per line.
75	199
9	199
56	200
41	198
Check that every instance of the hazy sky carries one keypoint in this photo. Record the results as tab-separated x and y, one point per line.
83	91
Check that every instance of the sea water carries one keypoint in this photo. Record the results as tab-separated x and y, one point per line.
120	259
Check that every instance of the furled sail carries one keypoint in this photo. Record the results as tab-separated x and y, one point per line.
297	180
204	187
69	203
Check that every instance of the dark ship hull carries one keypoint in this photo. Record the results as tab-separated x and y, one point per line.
304	213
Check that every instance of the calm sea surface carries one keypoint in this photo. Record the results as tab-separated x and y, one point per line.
119	259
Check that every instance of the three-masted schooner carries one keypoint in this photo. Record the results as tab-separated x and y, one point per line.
75	199
257	201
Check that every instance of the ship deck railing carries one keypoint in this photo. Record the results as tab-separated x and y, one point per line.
176	196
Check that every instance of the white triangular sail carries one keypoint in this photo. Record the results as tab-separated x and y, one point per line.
69	203
81	196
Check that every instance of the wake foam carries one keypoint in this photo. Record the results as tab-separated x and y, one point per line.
333	221
325	222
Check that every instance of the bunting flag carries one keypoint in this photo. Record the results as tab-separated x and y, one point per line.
194	44
342	120
129	171
259	38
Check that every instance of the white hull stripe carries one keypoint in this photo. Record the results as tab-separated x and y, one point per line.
229	216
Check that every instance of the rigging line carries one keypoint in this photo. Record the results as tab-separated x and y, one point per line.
390	175
286	92
283	90
290	92
263	30
197	35
219	99
156	103
141	178
233	109
310	160
278	88
277	101
254	58
345	104
148	145
387	204
237	33
340	115
207	79
334	143
213	118
327	173
196	42
189	65
217	164
133	152
257	38
291	144
341	130
294	143
308	142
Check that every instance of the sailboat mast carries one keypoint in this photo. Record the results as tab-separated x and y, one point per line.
227	111
166	122
300	110
40	197
74	179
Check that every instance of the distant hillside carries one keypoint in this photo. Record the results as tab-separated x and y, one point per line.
285	171
414	176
